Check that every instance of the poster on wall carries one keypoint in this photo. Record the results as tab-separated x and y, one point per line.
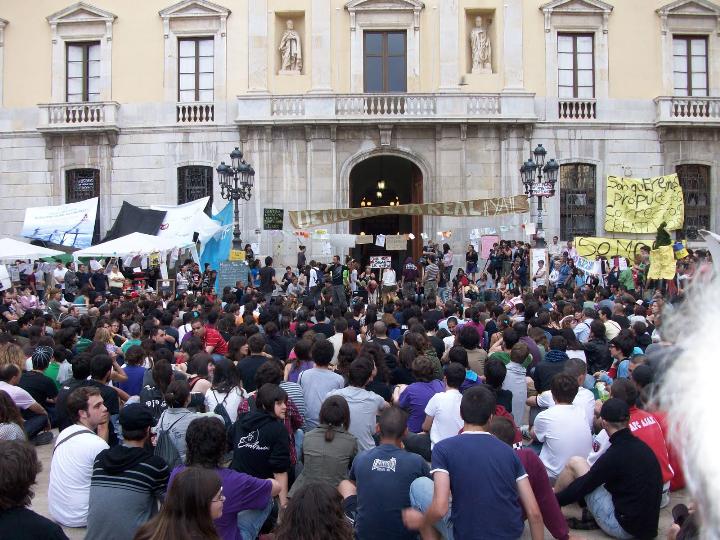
486	244
66	225
396	242
537	255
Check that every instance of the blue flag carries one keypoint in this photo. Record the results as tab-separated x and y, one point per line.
217	249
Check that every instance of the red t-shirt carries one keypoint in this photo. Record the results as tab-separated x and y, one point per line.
215	340
678	480
646	428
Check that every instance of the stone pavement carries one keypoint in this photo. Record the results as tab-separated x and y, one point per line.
45	452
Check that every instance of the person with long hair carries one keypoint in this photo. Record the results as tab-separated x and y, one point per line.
226	389
328	450
12	354
301	362
315	513
11	421
194	500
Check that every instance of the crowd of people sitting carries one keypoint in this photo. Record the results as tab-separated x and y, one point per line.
336	414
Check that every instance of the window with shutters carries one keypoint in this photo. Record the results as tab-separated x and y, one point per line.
695	183
194	182
577	200
195	69
385	67
83	72
576	66
80	185
690	65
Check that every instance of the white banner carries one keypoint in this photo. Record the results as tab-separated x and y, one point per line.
182	221
588	266
66	225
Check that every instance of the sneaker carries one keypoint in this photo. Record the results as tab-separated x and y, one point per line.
41	439
582	525
525	431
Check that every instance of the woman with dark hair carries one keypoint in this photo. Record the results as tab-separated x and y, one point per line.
261	445
381	373
194	499
237	348
346	354
301	362
574	347
402	374
11	421
315	513
20	466
200	370
328	450
415	397
226	389
153	394
177	417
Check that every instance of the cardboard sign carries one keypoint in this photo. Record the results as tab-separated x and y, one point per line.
273	219
640	205
662	263
591	247
237	255
361	239
396	242
382	261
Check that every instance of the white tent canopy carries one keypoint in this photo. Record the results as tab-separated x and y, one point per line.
13	250
132	244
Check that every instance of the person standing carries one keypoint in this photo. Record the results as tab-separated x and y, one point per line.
39	282
540	275
389	285
126	477
409	279
447	261
59	276
471	262
267	279
71	282
337	271
116	281
430	278
301	259
75	451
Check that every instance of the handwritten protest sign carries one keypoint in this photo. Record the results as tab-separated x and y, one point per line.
591	247
640	205
396	242
586	265
381	261
662	263
364	239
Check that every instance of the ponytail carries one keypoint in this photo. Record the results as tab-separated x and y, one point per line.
330	434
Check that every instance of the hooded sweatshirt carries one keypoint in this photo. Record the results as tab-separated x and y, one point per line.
127	484
261	447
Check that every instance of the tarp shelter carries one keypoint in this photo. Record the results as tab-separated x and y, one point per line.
183	221
135	219
131	245
13	250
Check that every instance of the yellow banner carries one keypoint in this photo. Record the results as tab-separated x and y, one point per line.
591	247
640	205
662	263
473	208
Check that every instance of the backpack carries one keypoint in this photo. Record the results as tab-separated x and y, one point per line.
165	447
221	411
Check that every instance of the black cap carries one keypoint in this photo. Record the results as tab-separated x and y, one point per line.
615	410
136	416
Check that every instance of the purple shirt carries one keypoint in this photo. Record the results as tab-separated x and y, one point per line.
295	372
415	398
242	492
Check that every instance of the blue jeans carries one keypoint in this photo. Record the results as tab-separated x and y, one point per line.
251	521
421	494
35	424
600	505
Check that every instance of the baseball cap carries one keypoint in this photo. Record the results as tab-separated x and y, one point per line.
136	416
42	355
615	410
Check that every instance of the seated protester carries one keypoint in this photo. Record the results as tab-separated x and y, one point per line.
134	369
388	470
584	399
11	421
516	381
200	370
402	373
315	513
623	488
212	341
301	362
562	429
318	382
621	349
74	456
469	339
37	422
645	427
261	446
414	398
596	349
226	389
19	467
37	384
81	372
495	373
329	449
128	482
509	338
380	381
249	365
101	369
497	484
364	405
248	500
153	395
552	516
442	412
458	355
552	364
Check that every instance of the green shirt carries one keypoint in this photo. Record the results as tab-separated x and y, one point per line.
626	279
129	343
52	372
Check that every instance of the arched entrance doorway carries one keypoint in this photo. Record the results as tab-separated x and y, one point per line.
386	180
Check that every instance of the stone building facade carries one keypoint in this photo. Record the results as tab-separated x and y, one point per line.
140	101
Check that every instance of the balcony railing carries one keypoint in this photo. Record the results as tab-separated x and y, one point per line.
688	110
577	109
358	108
195	113
87	116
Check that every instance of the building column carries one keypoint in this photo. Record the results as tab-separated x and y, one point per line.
320	45
449	45
257	46
513	45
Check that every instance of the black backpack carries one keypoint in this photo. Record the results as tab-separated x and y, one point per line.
221	411
165	447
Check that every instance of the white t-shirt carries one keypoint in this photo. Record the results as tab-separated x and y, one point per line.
70	473
564	433
389	278
584	400
337	340
234	398
444	407
59	276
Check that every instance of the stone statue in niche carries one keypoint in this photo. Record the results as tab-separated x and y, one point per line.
290	51
480	48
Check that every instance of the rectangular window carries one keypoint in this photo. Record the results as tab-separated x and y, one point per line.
83	72
690	65
80	185
576	66
577	200
695	183
194	182
385	68
195	70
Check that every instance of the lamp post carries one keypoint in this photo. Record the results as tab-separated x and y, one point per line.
539	180
236	183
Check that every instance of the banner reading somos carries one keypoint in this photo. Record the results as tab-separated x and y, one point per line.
474	208
640	205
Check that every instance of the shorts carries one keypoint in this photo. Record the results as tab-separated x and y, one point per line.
600	505
471	268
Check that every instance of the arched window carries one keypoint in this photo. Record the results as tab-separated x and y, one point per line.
577	200
695	183
194	182
80	185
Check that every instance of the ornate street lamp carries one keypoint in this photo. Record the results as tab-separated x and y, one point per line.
539	179
236	183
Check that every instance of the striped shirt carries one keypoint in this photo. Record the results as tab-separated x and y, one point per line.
431	272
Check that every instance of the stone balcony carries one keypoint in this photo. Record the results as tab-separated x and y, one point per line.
393	108
687	111
86	117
